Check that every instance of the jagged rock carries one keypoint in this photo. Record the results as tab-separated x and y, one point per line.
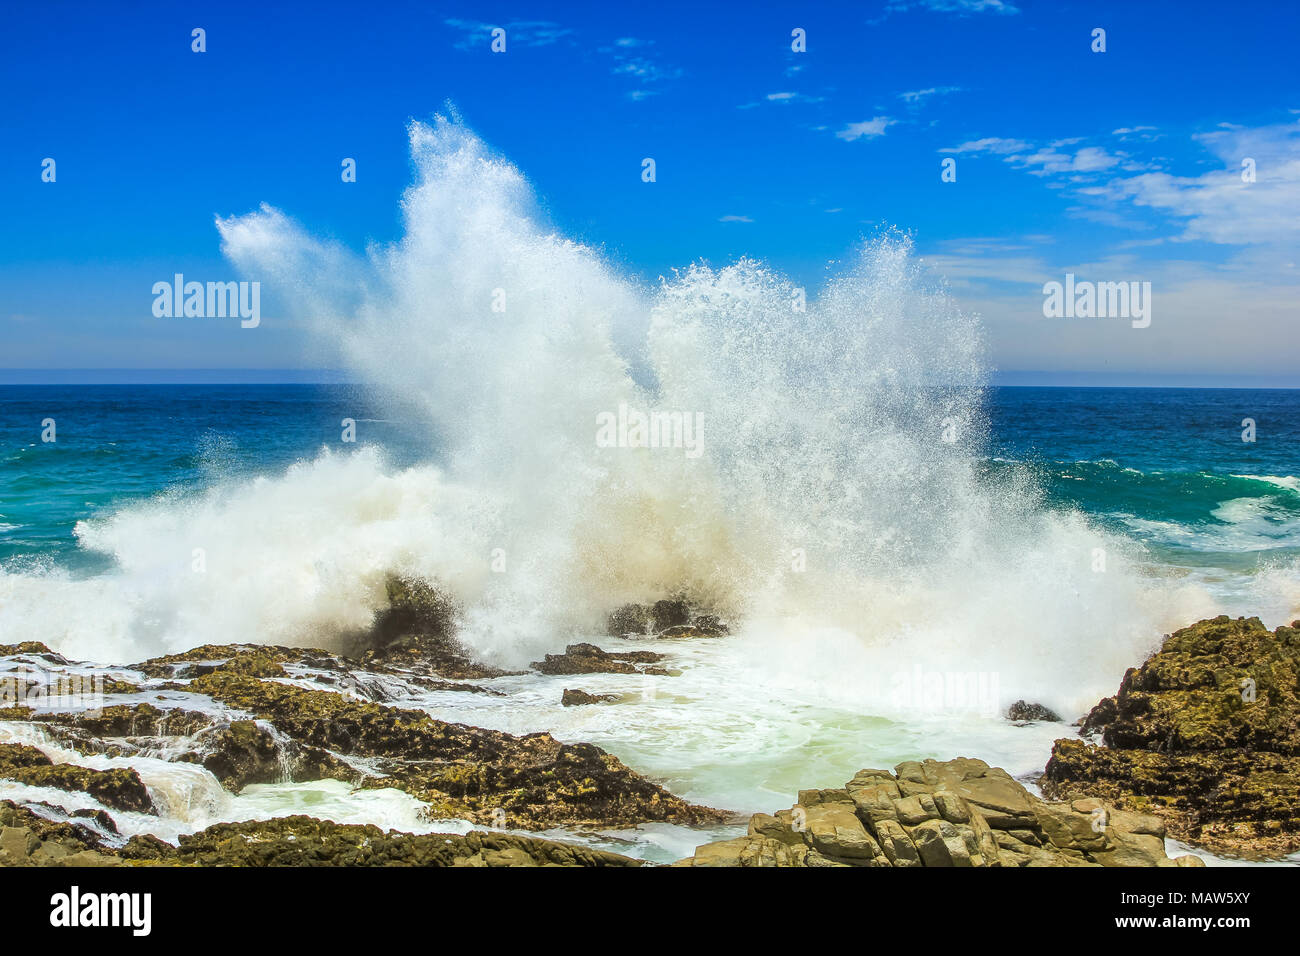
629	619
666	619
462	771
35	648
666	614
243	753
959	813
416	633
119	788
577	698
122	721
1205	734
590	659
207	657
1021	711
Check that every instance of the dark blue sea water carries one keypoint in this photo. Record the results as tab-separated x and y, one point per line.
1168	467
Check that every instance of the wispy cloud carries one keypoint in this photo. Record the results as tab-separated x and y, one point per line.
734	219
789	97
635	59
476	33
1218	206
990	144
917	98
867	129
960	7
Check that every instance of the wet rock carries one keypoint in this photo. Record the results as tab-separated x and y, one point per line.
432	655
958	813
416	634
73	835
242	753
119	788
147	847
305	841
578	698
590	659
1021	711
462	771
1205	734
666	614
208	657
123	721
26	647
629	619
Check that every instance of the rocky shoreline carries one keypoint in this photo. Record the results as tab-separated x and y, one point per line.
1202	742
1205	734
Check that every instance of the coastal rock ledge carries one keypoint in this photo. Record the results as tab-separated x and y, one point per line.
1205	734
958	813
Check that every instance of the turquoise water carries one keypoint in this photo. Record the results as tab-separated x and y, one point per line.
1166	467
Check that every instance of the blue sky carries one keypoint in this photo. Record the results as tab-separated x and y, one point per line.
1123	165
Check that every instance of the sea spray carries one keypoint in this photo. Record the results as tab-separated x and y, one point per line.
836	508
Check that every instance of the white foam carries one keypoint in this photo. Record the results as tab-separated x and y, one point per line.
823	435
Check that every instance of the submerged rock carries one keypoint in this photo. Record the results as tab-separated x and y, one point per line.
1021	711
1205	734
959	813
590	659
577	698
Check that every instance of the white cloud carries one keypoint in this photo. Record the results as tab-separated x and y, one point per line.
918	97
990	144
735	219
868	129
1217	206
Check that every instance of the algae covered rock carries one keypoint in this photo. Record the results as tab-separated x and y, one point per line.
590	659
306	841
1021	711
579	698
461	771
1206	734
119	788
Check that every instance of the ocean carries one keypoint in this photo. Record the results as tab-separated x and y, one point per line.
1166	467
901	551
98	530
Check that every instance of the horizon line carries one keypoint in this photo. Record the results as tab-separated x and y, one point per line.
1009	378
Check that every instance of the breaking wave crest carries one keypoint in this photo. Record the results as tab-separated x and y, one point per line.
836	497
